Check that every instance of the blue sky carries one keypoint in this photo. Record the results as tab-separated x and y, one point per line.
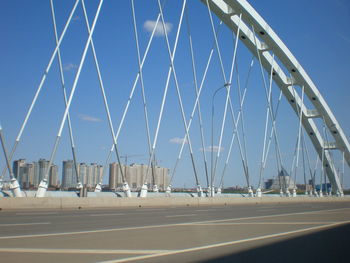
316	32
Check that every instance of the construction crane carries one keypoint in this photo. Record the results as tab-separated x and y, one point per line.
126	156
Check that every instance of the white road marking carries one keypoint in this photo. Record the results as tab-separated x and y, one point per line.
26	224
182	215
264	223
36	213
207	210
81	251
225	243
265	210
164	225
116	214
267	216
153	209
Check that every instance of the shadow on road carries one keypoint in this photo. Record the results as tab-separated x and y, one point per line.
331	245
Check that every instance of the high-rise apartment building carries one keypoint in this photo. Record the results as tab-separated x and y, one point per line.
115	178
53	176
36	173
89	175
20	172
99	174
82	173
43	169
29	175
69	179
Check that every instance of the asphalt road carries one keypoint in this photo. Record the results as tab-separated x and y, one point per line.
302	232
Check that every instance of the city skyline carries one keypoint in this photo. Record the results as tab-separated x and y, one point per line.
29	175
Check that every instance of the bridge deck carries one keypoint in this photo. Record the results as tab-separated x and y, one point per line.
177	234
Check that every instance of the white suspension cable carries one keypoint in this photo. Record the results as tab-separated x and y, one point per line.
271	130
309	163
303	159
78	180
216	41
8	165
178	89
227	85
172	55
245	166
91	42
343	172
197	101
43	184
322	163
271	112
197	95
16	190
41	84
314	173
298	138
241	113
242	99
264	152
329	154
228	100
142	85
132	90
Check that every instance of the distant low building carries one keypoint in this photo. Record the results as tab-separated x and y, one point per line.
135	176
283	180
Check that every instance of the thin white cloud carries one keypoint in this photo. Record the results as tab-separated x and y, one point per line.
69	66
212	149
150	24
177	140
89	118
344	37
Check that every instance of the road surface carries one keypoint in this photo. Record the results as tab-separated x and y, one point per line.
294	232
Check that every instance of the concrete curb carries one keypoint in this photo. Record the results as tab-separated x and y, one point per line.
110	202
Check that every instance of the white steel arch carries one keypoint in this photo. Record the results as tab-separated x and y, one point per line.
258	36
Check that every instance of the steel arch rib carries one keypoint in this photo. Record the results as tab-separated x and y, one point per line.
263	38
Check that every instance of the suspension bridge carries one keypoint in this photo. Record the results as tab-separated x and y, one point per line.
210	75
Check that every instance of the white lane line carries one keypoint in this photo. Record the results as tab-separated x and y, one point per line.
152	209
204	210
164	225
225	243
264	223
26	224
116	214
36	213
81	251
267	216
182	215
265	210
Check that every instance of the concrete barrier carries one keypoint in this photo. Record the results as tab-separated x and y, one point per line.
110	202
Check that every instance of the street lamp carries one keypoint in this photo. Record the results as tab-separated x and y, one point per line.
212	139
